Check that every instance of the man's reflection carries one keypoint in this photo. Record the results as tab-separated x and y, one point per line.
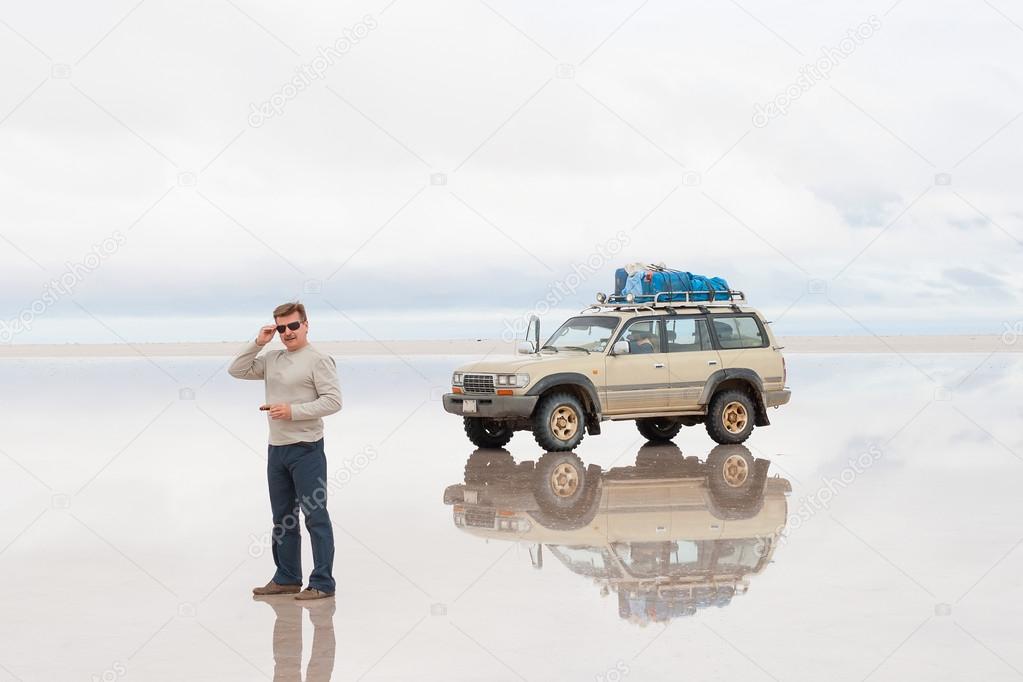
669	534
287	642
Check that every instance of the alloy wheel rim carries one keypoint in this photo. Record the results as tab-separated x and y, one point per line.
564	480
564	423
734	418
735	470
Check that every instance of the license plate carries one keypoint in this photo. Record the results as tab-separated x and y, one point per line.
471	496
468	406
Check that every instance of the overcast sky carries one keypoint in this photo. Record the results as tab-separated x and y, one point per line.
456	160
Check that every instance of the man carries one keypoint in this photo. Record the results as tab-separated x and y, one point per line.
301	388
642	341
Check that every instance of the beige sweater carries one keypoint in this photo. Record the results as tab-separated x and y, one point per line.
306	379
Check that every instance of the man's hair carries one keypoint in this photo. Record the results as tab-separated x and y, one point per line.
286	309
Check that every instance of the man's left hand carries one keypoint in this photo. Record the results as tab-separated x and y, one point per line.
279	411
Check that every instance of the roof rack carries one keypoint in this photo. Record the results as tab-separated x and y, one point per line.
670	299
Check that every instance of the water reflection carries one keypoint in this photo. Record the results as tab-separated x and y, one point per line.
287	639
668	534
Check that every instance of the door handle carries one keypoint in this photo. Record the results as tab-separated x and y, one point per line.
712	362
659	365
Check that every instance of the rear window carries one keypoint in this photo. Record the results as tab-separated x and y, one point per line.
739	332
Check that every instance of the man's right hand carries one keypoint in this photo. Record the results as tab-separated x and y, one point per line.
265	334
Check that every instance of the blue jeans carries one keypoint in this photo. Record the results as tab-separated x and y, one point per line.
297	477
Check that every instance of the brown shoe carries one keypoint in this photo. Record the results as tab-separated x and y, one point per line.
312	593
273	588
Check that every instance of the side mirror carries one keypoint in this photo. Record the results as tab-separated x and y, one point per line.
525	348
533	332
620	348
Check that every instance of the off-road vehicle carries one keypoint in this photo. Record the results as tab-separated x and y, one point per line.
670	534
665	364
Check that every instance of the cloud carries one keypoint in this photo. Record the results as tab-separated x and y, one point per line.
458	160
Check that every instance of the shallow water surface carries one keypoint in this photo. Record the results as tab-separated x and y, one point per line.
875	533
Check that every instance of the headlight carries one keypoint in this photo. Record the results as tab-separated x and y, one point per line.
456	379
513	380
519	525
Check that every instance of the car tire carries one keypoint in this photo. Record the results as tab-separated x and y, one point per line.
731	474
559	422
487	433
486	466
730	417
659	429
560	482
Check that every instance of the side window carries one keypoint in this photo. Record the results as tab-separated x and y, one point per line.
687	334
644	336
738	332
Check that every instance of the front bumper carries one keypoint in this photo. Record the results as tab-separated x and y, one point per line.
776	398
490	406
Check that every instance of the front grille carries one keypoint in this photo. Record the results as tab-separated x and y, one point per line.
480	518
478	383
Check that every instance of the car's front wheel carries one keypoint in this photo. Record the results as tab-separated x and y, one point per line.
488	433
559	422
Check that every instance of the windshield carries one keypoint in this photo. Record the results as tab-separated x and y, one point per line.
587	332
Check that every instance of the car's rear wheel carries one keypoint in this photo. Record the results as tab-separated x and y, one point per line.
659	429
730	417
559	422
488	433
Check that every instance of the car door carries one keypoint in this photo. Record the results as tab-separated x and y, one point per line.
691	360
744	344
637	382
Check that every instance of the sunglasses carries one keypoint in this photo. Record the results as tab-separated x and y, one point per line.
291	325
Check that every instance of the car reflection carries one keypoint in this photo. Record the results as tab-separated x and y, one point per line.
668	534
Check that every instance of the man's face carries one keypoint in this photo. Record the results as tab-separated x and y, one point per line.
293	339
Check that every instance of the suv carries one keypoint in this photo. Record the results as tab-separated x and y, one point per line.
663	363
